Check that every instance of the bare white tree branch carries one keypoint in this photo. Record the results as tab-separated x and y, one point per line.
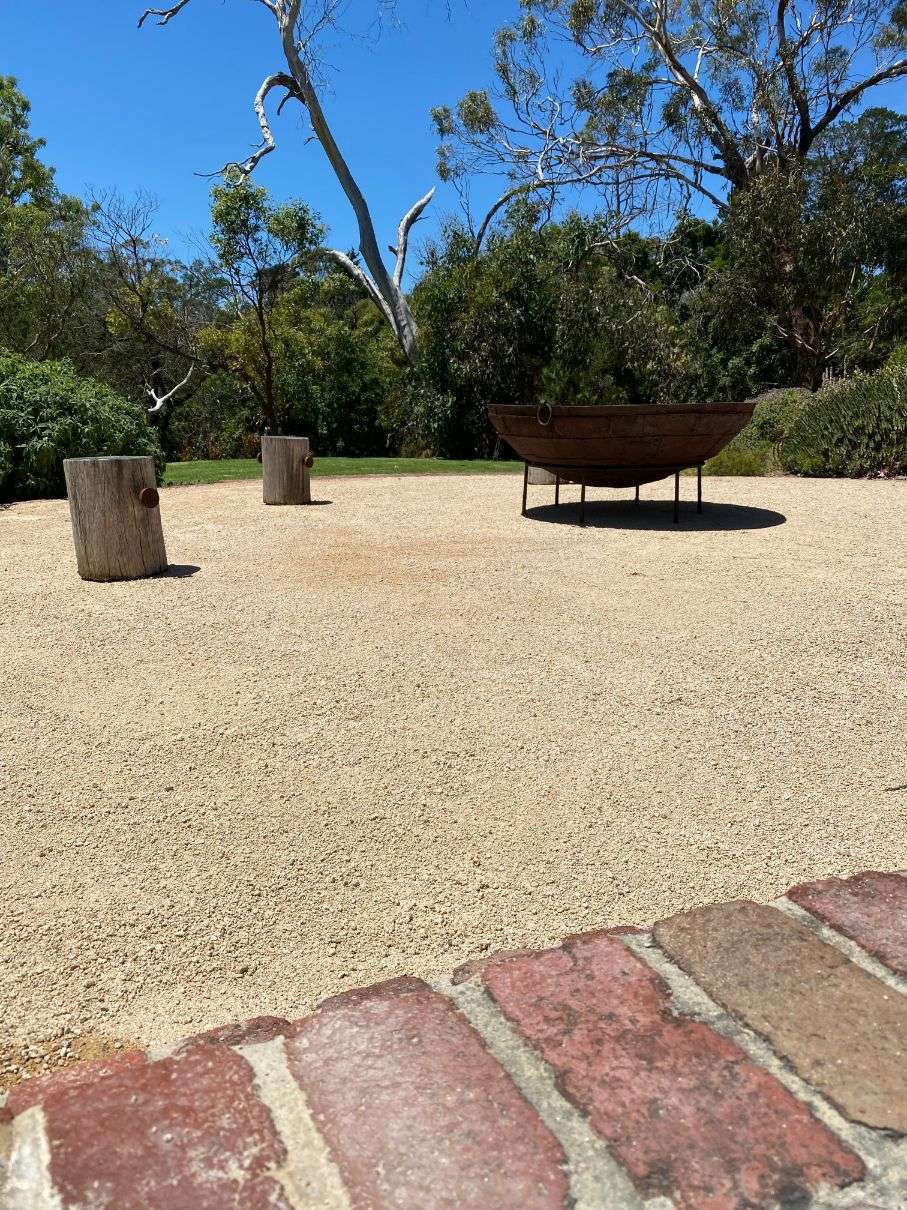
298	27
268	144
362	279
165	14
160	401
412	216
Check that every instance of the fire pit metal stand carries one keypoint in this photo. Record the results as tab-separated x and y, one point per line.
668	470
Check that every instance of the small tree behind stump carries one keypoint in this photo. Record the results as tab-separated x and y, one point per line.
285	467
116	521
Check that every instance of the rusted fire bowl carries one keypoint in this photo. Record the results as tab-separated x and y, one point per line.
618	445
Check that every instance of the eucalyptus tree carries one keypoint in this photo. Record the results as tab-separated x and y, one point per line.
683	98
262	251
811	278
300	26
46	270
24	177
153	305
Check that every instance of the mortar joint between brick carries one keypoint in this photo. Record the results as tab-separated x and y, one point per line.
846	945
597	1180
309	1177
885	1156
27	1183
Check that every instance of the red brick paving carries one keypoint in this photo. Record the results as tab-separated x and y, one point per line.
870	908
687	1113
843	1030
416	1111
34	1091
185	1133
248	1033
387	1096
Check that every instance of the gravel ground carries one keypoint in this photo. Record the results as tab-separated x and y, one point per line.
388	734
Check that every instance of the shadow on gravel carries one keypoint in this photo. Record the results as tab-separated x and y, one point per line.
180	571
311	504
658	514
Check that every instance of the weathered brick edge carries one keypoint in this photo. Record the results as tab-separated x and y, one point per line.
737	1055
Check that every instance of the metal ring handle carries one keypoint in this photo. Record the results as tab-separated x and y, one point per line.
149	497
546	410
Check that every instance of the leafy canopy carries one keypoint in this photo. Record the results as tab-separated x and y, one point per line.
656	102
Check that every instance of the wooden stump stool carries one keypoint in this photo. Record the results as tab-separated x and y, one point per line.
285	466
116	522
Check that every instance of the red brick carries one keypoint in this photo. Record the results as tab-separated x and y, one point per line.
416	1111
842	1029
475	966
184	1133
689	1115
869	908
358	995
244	1033
34	1091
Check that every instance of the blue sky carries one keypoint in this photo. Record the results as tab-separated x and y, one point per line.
149	109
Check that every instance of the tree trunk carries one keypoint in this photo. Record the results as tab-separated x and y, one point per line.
285	464
389	289
116	521
406	331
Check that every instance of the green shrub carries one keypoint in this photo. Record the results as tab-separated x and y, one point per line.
755	451
48	413
775	413
851	429
742	458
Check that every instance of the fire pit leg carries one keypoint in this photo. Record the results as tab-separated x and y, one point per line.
637	495
699	488
676	496
525	485
582	504
557	491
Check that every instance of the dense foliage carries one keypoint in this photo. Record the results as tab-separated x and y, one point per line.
552	313
800	279
48	413
757	450
852	428
812	266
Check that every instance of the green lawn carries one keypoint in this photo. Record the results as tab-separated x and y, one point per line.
249	468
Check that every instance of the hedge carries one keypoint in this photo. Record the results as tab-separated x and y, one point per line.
48	413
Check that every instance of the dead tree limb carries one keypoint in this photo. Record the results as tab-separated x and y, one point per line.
298	24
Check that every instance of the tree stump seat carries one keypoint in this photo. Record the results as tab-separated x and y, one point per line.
286	464
116	518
